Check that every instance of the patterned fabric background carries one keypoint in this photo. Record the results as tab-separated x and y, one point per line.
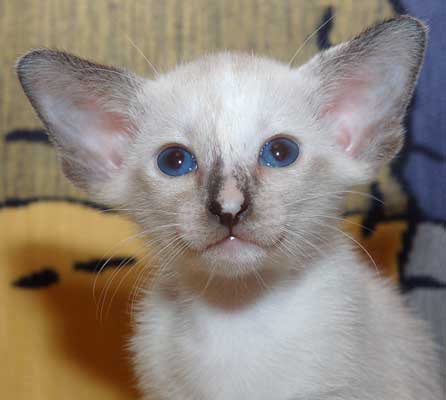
64	325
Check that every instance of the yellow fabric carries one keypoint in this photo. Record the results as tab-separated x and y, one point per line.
53	343
382	247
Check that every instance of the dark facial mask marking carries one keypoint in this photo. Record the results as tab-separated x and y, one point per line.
215	183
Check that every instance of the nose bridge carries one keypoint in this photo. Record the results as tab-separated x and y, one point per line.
231	198
228	197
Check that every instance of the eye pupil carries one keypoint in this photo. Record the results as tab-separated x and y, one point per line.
175	159
279	151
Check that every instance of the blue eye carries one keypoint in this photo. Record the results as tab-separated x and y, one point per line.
279	152
176	161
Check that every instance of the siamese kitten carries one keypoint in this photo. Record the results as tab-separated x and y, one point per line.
238	165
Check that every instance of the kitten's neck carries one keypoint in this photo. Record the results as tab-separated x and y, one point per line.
230	294
237	293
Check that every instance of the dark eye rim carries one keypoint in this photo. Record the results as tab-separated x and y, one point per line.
178	146
288	137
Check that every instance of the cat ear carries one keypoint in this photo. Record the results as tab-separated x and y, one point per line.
363	87
88	109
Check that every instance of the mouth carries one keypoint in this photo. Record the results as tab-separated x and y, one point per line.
226	241
234	255
233	247
233	251
231	241
233	244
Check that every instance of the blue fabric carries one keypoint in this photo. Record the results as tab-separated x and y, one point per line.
424	169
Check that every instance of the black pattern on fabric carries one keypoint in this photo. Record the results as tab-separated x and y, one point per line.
15	202
325	28
28	135
100	265
47	276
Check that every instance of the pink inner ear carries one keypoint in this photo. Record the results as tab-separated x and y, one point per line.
117	133
104	135
350	113
344	139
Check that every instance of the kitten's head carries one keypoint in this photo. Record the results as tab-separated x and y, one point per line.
233	161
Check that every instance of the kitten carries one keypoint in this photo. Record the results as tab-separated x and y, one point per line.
238	165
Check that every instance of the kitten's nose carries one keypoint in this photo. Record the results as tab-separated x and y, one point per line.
230	204
228	219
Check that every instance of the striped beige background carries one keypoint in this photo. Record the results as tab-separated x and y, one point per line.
166	32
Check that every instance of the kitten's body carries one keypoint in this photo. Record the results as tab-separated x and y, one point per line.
260	295
331	331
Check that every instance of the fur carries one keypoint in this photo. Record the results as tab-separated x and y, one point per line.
286	310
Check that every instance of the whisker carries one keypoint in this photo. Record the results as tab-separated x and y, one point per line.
141	275
142	54
104	293
143	263
123	242
103	296
208	281
364	194
147	210
104	265
286	243
130	270
301	47
355	242
341	219
303	238
260	279
178	249
336	194
174	242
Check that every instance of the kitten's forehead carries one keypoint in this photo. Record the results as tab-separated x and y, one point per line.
224	102
215	68
223	107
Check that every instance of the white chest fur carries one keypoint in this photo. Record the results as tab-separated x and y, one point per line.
311	340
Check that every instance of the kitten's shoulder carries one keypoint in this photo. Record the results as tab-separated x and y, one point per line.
390	331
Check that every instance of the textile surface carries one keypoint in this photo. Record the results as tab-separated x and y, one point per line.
63	324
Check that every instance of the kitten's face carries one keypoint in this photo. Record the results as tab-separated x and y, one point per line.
233	162
223	109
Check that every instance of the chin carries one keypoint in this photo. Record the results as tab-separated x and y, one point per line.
232	257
